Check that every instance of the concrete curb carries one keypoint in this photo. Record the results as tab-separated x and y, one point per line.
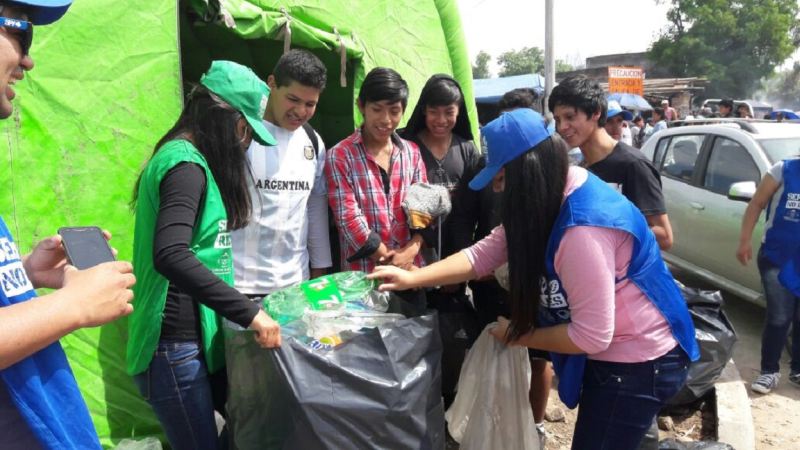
735	420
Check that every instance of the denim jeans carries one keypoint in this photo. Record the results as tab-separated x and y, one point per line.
620	400
783	310
177	386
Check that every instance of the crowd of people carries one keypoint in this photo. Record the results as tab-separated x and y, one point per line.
233	205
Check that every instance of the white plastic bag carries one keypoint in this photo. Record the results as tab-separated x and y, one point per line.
148	443
491	409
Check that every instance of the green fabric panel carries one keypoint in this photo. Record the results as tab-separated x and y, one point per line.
462	66
415	37
105	87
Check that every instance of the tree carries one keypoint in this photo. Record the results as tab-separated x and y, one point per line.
481	67
563	66
521	62
734	43
783	89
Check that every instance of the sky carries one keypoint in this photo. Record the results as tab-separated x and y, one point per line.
583	28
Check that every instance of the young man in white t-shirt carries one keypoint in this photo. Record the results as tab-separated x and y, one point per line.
287	238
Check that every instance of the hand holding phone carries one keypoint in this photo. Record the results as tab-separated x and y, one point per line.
85	247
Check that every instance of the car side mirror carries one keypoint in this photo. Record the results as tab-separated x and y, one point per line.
742	191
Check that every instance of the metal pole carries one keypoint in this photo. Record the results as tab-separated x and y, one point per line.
549	57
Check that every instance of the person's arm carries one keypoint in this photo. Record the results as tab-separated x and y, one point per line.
661	228
405	256
347	213
319	244
586	265
181	192
553	339
88	298
466	209
454	269
478	260
642	187
766	189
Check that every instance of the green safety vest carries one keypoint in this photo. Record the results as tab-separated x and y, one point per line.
211	243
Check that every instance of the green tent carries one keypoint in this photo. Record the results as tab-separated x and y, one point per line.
108	83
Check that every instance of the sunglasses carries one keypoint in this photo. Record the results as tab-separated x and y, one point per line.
20	28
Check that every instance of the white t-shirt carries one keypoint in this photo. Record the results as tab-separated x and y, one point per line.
289	225
627	137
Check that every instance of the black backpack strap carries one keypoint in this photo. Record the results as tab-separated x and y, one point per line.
313	136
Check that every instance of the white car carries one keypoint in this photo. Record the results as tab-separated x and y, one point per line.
709	170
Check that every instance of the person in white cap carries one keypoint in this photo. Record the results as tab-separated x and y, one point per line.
669	112
40	404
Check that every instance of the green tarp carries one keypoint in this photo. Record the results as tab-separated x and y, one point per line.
108	83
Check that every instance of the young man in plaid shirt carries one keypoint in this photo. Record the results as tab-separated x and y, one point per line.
368	174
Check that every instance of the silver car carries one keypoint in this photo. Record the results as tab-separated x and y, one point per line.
709	172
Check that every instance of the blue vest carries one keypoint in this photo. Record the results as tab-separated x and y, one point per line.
782	242
42	385
596	204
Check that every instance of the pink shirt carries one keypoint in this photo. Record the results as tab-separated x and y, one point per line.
610	321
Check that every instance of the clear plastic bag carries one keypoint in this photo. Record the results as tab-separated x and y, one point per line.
491	409
328	296
320	325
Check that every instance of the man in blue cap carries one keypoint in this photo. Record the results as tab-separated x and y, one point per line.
615	122
40	404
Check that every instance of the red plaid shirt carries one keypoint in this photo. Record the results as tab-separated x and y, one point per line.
358	200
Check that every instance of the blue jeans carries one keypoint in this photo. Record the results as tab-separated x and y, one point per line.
177	386
783	310
620	400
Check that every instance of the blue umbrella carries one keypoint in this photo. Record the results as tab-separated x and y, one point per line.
631	101
491	90
787	114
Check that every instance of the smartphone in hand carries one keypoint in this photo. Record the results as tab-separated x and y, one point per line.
85	246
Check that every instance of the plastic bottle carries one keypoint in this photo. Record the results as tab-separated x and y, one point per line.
326	342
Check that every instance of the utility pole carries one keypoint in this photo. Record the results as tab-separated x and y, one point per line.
549	57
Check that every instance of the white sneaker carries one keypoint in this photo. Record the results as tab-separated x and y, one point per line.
765	383
542	435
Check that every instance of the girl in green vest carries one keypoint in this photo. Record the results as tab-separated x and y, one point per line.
188	198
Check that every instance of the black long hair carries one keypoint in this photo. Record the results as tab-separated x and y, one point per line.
534	190
210	124
439	90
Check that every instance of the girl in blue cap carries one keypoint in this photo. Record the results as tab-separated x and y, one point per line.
587	284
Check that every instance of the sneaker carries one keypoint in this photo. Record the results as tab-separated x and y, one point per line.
765	383
542	435
794	378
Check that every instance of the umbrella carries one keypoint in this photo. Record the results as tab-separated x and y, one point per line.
491	90
787	114
631	101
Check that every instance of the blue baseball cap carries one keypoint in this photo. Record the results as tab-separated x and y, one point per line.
43	12
614	109
510	135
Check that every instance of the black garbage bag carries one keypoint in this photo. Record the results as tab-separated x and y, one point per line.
672	444
715	336
381	389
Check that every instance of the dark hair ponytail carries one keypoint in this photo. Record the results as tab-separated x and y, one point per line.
534	190
212	124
